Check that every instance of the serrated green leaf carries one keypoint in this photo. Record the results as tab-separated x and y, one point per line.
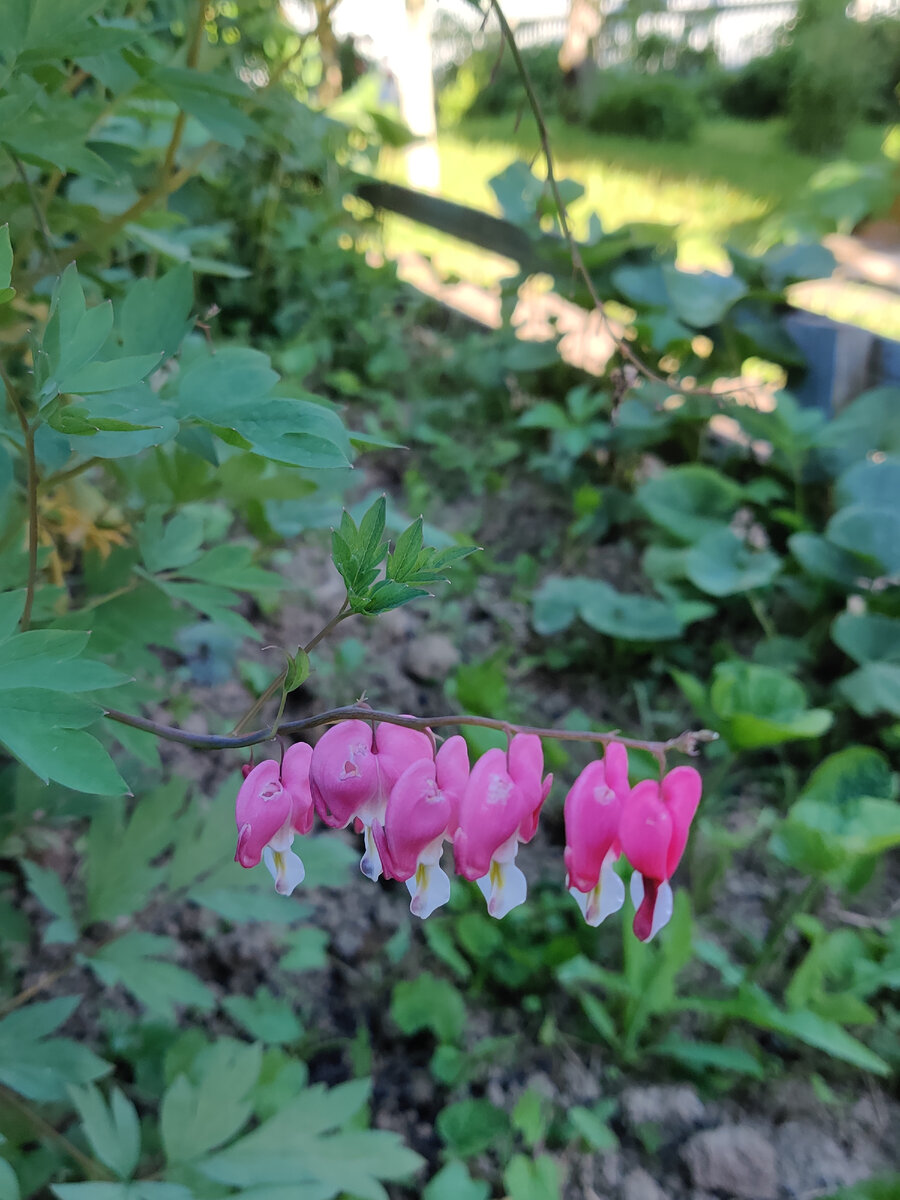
35	1021
38	1066
532	1179
386	595
200	1113
120	876
166	546
406	551
371	548
135	962
50	658
113	1132
469	1127
44	730
427	1002
47	887
155	316
266	1018
297	1146
453	1182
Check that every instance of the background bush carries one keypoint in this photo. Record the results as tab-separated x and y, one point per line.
833	78
656	106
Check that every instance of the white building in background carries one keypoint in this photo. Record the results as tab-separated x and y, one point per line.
737	29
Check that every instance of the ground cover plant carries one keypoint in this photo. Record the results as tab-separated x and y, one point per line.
194	352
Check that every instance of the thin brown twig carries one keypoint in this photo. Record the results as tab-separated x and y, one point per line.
75	80
578	262
163	189
59	477
49	1133
193	54
686	743
37	210
279	679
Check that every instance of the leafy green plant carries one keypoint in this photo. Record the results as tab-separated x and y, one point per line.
655	106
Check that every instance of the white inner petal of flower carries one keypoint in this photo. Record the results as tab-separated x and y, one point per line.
429	889
504	887
286	869
370	863
606	898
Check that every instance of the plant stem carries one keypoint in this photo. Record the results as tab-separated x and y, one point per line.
37	210
686	743
32	494
773	946
578	263
45	1131
59	477
193	54
762	616
279	679
163	189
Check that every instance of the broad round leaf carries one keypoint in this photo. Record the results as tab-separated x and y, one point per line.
689	501
722	565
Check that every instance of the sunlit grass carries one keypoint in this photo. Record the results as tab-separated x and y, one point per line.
717	188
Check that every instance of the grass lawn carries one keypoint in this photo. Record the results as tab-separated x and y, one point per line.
719	187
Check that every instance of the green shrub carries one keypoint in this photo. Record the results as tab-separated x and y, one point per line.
883	51
833	81
758	90
487	84
660	107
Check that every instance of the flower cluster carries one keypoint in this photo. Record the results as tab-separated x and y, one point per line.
408	800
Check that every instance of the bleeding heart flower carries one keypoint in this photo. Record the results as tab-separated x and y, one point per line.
411	840
420	813
353	771
653	832
493	809
273	804
344	774
395	749
593	810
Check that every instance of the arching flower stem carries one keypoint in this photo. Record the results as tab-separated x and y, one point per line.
685	743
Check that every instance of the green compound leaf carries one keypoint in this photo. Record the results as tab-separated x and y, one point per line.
114	1132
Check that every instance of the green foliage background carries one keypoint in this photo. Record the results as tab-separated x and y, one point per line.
195	351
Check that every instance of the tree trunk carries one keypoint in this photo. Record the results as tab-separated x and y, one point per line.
415	85
581	31
330	87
